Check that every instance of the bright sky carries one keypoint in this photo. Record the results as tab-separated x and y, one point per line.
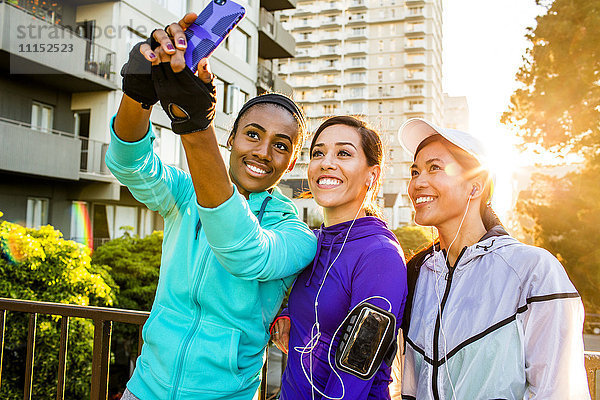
484	42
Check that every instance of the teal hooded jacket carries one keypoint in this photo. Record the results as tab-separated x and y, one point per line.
224	272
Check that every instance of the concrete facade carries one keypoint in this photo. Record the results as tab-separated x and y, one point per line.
55	108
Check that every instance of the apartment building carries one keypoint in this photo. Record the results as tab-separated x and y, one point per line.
381	59
59	87
456	113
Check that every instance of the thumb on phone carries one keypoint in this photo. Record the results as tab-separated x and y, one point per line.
204	71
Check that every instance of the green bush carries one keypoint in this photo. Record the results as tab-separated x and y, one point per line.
38	264
413	239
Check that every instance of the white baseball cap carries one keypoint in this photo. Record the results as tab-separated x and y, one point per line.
415	130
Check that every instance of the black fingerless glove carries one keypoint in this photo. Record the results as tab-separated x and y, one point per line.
137	78
186	91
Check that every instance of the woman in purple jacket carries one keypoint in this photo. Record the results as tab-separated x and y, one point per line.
358	258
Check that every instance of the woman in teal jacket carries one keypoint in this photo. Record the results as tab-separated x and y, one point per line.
233	244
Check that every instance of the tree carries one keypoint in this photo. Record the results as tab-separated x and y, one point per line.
566	215
558	105
134	265
558	109
413	239
38	264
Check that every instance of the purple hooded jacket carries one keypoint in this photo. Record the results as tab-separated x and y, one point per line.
371	264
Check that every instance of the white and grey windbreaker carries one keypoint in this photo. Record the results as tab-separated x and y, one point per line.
504	323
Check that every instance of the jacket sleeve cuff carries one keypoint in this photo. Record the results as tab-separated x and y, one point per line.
129	153
227	224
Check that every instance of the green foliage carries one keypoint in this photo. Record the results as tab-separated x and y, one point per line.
38	264
558	108
558	104
134	264
413	238
566	216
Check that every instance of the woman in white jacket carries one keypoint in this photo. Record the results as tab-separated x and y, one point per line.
491	318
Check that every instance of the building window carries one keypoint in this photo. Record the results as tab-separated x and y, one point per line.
236	98
303	65
42	117
358	61
358	108
359	31
220	88
177	7
357	92
357	77
167	146
415	105
37	212
380	76
238	43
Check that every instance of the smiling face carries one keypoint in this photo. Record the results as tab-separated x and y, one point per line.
338	172
262	148
438	187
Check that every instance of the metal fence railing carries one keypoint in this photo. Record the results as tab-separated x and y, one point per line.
103	319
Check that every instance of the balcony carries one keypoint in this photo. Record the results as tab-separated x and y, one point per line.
273	40
92	165
356	50
414	29
415	76
329	51
270	82
416	109
331	22
53	54
276	5
358	34
356	5
414	60
331	6
357	65
305	10
330	38
356	19
415	45
21	144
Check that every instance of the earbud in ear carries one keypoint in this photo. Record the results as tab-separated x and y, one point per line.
474	191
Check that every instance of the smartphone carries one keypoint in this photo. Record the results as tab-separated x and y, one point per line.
210	28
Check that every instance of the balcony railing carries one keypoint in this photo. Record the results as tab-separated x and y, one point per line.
92	156
85	55
103	319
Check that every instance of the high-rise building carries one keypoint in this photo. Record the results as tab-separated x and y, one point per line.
59	87
456	113
381	59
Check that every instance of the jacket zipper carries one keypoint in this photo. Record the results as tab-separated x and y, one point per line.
192	330
436	333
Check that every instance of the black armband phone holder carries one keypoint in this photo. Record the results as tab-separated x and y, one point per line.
367	338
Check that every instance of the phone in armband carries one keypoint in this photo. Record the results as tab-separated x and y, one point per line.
367	339
211	27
